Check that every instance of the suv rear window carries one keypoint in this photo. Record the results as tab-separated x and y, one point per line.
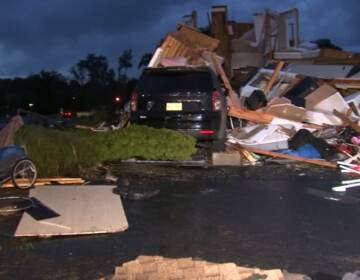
175	81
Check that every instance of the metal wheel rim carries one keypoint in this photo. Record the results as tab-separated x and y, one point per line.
24	174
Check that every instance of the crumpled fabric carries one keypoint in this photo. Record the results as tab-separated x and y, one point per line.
306	151
355	140
303	137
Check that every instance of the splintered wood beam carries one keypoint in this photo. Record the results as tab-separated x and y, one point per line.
324	163
347	121
354	82
220	70
274	77
252	116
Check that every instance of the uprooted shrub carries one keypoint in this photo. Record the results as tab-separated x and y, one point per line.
66	152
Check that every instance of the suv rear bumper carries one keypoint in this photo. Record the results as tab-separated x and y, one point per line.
207	127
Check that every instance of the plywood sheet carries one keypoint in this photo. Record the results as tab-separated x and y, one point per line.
82	209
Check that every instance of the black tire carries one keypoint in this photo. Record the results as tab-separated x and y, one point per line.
24	174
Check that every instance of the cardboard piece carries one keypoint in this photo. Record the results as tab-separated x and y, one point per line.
226	159
333	102
326	99
321	118
318	95
287	111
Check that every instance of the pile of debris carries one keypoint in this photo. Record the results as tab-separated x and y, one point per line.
156	267
292	100
299	116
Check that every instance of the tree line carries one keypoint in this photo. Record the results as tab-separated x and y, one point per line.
90	84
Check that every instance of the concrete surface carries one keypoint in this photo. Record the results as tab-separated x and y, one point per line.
271	217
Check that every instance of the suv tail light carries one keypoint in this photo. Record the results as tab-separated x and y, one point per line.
216	101
207	131
134	101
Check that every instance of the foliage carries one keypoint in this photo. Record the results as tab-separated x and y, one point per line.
144	60
327	44
66	152
125	62
91	85
94	69
46	92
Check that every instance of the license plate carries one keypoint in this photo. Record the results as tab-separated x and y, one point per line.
173	106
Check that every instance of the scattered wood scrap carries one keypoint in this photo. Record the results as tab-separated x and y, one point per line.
274	77
285	156
245	154
50	181
234	105
253	116
347	121
221	72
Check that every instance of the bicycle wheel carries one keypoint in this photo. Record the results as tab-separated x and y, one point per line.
24	174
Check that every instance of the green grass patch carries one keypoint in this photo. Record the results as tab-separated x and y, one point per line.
66	152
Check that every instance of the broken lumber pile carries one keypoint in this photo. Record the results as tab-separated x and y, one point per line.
284	156
270	110
156	267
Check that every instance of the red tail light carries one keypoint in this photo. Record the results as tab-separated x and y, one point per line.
134	101
216	101
207	131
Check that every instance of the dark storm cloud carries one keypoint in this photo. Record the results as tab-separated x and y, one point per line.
55	34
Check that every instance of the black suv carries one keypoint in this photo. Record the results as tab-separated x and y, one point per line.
187	99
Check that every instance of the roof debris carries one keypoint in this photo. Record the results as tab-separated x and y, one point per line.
276	85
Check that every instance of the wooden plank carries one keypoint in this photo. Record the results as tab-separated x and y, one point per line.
197	38
252	116
221	72
285	156
48	181
274	77
244	153
347	120
353	82
10	184
60	179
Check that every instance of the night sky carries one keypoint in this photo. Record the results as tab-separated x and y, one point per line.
55	34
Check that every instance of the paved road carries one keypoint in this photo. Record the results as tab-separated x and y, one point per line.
270	217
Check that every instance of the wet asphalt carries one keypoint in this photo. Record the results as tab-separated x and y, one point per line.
275	216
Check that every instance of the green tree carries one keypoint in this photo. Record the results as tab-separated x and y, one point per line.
327	44
94	69
144	60
125	62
